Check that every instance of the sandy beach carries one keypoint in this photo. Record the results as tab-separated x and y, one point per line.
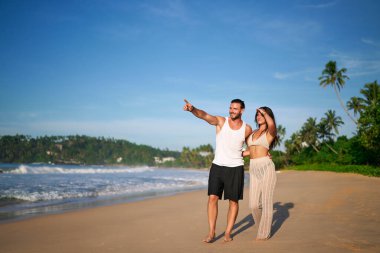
313	212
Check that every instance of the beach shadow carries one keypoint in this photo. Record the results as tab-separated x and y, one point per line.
239	227
280	215
243	225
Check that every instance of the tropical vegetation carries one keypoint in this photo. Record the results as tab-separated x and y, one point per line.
91	150
77	150
317	145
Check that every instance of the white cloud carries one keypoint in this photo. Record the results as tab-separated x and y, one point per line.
121	32
282	76
174	9
370	42
305	74
358	65
282	32
270	29
321	5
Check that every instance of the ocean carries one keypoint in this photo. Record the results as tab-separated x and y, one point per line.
28	190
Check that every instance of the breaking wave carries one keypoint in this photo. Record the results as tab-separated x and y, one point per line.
25	169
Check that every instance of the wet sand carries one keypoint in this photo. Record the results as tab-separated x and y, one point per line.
313	212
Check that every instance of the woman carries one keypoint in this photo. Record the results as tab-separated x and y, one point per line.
262	171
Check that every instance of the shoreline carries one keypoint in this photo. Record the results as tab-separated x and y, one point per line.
313	212
90	204
85	187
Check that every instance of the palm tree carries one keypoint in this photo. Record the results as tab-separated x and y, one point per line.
355	104
331	76
371	93
333	121
281	131
323	130
369	129
309	133
294	143
327	125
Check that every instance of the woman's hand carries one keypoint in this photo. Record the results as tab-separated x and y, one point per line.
260	110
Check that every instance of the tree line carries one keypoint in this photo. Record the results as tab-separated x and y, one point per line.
77	149
83	149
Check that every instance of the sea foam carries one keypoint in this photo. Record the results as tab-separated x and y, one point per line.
25	169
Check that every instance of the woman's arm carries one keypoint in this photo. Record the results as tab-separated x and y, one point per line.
270	123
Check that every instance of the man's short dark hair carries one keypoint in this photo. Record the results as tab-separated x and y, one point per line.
241	102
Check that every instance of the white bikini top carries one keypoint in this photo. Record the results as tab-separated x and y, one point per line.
261	141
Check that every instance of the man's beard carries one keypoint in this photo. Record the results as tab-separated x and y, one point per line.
236	116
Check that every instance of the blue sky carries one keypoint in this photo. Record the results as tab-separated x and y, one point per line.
121	69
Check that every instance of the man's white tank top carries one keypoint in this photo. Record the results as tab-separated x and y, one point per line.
229	145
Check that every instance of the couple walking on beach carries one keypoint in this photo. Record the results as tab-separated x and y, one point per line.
227	169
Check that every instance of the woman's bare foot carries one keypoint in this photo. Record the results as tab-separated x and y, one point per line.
261	239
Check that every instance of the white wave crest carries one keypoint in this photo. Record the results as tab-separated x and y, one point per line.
59	193
45	196
24	169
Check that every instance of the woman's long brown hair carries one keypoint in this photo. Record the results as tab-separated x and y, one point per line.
270	113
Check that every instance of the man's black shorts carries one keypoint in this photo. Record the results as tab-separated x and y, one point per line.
227	179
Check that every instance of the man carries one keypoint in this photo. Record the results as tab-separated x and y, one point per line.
227	169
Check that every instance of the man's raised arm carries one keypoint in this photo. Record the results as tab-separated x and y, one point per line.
212	120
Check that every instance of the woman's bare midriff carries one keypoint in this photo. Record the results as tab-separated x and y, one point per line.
257	152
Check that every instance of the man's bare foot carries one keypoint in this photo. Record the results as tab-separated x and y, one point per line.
209	239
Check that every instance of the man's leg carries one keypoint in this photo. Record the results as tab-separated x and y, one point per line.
231	218
233	191
212	212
